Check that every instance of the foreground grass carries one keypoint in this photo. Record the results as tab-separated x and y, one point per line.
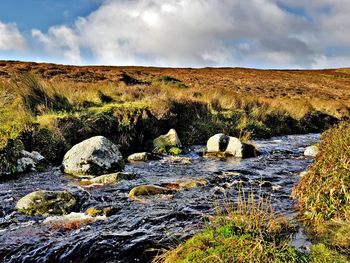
250	232
324	193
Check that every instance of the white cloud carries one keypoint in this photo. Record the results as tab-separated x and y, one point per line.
61	41
11	38
204	33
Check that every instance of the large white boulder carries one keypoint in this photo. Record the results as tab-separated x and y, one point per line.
235	147
217	143
221	143
94	156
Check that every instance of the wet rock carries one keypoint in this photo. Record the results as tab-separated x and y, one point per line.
94	156
30	161
25	165
140	157
176	159
148	190
175	151
126	176
99	211
35	156
230	173
226	185
221	145
311	151
72	220
46	203
265	184
185	183
276	188
112	178
164	142
218	190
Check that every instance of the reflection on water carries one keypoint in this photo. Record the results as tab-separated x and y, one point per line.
134	229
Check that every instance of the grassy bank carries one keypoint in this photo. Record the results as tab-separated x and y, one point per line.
324	193
50	116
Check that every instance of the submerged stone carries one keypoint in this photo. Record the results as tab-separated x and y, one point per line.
25	164
148	190
99	211
138	157
30	161
72	220
46	203
142	157
175	151
37	157
176	159
94	156
185	183
112	178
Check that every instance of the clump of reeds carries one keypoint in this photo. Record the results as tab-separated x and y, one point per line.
247	232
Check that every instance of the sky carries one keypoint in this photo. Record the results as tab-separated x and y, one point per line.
178	33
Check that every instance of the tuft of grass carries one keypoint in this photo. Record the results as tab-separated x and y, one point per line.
320	253
249	232
40	97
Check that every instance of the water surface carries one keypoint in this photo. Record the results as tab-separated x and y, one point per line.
135	231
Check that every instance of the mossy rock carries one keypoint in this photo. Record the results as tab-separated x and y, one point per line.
148	190
175	151
112	178
186	183
99	211
46	203
142	157
168	140
160	150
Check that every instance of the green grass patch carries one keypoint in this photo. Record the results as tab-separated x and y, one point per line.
249	232
320	253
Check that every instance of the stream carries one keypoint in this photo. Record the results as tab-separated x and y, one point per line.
136	231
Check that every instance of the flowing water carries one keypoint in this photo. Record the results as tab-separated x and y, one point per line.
135	231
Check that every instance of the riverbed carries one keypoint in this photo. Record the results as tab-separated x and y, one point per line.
136	231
